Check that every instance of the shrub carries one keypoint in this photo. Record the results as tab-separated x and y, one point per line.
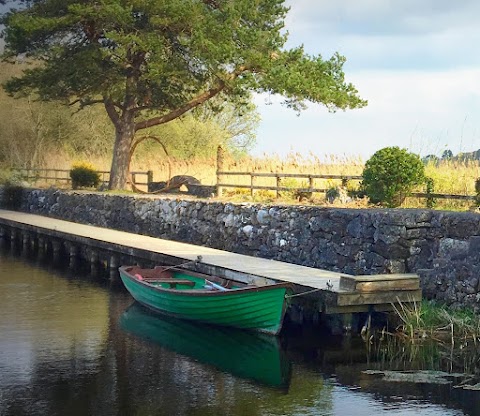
331	194
83	174
391	174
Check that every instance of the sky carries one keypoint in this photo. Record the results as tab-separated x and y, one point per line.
417	63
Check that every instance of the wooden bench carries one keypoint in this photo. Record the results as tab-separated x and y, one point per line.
171	282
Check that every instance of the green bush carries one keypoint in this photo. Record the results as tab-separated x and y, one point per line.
12	192
84	175
331	194
391	174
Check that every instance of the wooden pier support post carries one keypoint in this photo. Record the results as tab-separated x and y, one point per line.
41	252
72	250
25	242
113	265
3	237
56	249
94	262
33	242
13	239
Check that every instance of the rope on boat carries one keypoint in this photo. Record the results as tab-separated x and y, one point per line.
196	261
302	294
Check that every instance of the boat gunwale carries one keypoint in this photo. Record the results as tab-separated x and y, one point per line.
202	292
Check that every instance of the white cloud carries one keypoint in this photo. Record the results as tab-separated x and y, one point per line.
382	16
389	34
417	63
423	111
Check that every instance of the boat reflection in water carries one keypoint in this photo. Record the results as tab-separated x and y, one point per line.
244	354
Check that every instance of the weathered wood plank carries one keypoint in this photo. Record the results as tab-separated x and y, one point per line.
386	286
369	278
358	298
384	282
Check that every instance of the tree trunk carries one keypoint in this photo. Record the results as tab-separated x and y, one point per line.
120	170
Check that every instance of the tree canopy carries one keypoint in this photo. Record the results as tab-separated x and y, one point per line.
149	62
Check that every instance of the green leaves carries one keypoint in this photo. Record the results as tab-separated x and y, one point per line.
390	175
152	61
171	50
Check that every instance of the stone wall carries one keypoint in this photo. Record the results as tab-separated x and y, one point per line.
443	247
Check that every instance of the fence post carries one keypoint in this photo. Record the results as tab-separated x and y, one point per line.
149	180
220	167
252	183
310	184
279	183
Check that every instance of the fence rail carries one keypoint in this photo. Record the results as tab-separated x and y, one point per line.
311	188
63	175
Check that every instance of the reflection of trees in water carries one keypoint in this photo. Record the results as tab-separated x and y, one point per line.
53	334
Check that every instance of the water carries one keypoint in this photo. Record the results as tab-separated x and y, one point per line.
70	345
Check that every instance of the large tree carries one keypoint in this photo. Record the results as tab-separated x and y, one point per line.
151	61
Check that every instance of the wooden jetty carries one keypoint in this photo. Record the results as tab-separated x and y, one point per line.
328	291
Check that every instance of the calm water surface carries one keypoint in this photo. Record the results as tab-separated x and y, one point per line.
72	346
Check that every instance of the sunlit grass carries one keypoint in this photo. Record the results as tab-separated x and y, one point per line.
450	177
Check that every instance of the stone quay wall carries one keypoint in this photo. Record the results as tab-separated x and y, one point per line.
442	247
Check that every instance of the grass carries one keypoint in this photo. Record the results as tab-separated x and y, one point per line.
450	177
430	336
431	320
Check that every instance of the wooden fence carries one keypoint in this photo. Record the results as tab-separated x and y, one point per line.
278	188
63	176
278	179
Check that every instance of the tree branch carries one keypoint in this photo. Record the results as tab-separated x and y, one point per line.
200	99
111	111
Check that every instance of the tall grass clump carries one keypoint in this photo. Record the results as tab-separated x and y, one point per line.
431	320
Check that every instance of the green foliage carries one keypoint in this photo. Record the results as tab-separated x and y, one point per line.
390	175
12	192
447	155
84	175
332	193
150	62
12	196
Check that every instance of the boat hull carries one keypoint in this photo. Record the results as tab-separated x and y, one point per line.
254	308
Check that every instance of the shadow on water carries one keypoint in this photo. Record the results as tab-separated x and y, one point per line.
243	354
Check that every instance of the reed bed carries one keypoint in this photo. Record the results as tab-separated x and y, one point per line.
450	176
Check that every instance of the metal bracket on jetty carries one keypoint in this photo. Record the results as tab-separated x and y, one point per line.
330	292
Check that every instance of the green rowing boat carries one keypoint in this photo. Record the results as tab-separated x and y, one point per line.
199	297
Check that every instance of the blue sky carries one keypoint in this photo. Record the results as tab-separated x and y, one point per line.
416	62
